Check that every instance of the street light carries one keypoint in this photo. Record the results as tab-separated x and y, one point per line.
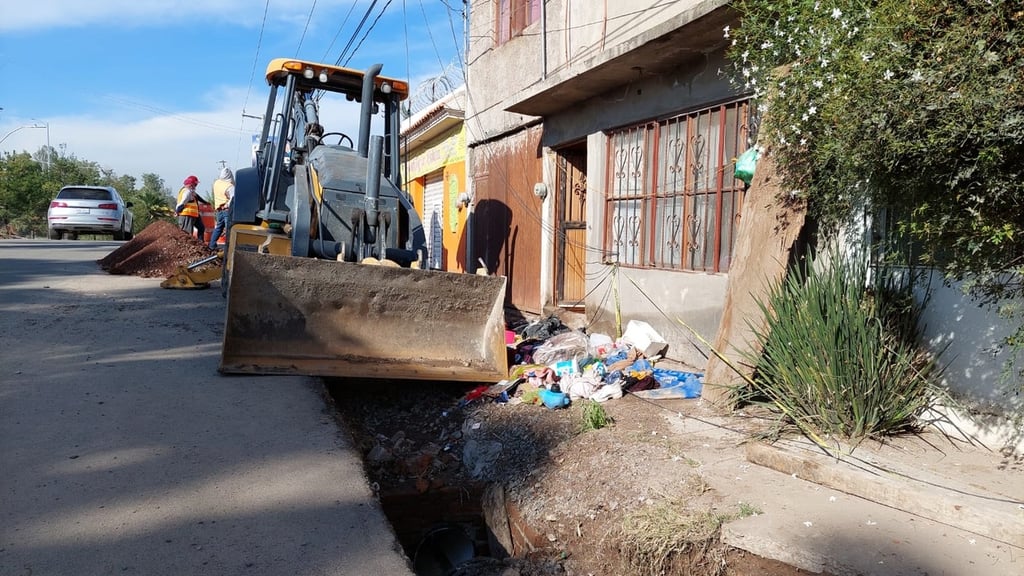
45	125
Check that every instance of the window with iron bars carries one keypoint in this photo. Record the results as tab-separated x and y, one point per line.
512	17
671	199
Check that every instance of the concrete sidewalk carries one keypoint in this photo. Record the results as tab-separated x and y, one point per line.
125	452
918	506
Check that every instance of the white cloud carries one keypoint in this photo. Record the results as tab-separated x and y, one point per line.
42	14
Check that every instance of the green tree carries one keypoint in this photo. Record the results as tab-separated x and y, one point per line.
28	182
151	202
25	194
916	105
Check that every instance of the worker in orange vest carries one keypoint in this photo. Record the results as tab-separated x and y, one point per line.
187	208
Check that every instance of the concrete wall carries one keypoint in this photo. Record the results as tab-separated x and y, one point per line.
572	37
686	88
989	407
659	297
972	335
577	38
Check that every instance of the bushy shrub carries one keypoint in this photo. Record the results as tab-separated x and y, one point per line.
840	354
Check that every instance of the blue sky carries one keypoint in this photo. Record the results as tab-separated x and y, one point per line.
160	86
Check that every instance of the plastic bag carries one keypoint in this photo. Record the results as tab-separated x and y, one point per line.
746	164
574	345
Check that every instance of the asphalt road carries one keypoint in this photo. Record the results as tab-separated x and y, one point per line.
123	451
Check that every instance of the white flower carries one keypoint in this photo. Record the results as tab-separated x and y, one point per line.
917	76
865	56
726	30
888	74
812	110
746	72
818	83
766	45
837	13
745	54
816	6
803	141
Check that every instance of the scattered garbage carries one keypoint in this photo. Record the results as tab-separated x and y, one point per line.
552	365
644	338
553	399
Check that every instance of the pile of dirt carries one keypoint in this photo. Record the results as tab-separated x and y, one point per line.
155	252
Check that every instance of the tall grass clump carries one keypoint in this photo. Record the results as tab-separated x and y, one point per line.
840	354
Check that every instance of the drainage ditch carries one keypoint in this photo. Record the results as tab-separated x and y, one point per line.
434	477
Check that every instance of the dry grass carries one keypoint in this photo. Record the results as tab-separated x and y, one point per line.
668	538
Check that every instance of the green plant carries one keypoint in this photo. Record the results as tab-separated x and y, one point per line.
913	104
594	416
840	355
747	509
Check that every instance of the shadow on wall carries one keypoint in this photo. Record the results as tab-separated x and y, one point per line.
493	239
976	370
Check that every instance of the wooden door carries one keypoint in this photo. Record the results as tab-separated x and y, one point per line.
571	235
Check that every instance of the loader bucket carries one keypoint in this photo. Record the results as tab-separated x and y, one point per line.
294	315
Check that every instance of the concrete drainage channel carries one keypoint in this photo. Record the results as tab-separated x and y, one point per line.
440	529
440	526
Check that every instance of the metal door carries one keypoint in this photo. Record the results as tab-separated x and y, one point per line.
433	214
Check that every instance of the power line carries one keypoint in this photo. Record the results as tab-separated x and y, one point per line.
369	10
426	22
252	75
305	28
368	30
338	33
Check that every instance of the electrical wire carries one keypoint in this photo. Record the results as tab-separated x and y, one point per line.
455	39
355	33
305	28
368	30
351	7
252	76
426	22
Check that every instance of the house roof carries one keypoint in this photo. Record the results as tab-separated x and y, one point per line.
447	112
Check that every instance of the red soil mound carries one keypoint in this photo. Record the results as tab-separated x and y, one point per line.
155	252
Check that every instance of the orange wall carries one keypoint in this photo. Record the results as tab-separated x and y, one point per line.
453	242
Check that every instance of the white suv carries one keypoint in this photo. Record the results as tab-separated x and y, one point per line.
89	210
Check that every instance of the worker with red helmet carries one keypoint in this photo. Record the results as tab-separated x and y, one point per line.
187	208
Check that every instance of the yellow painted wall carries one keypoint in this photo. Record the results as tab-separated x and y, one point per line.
447	153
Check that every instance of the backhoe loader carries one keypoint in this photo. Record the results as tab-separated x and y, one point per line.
325	265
